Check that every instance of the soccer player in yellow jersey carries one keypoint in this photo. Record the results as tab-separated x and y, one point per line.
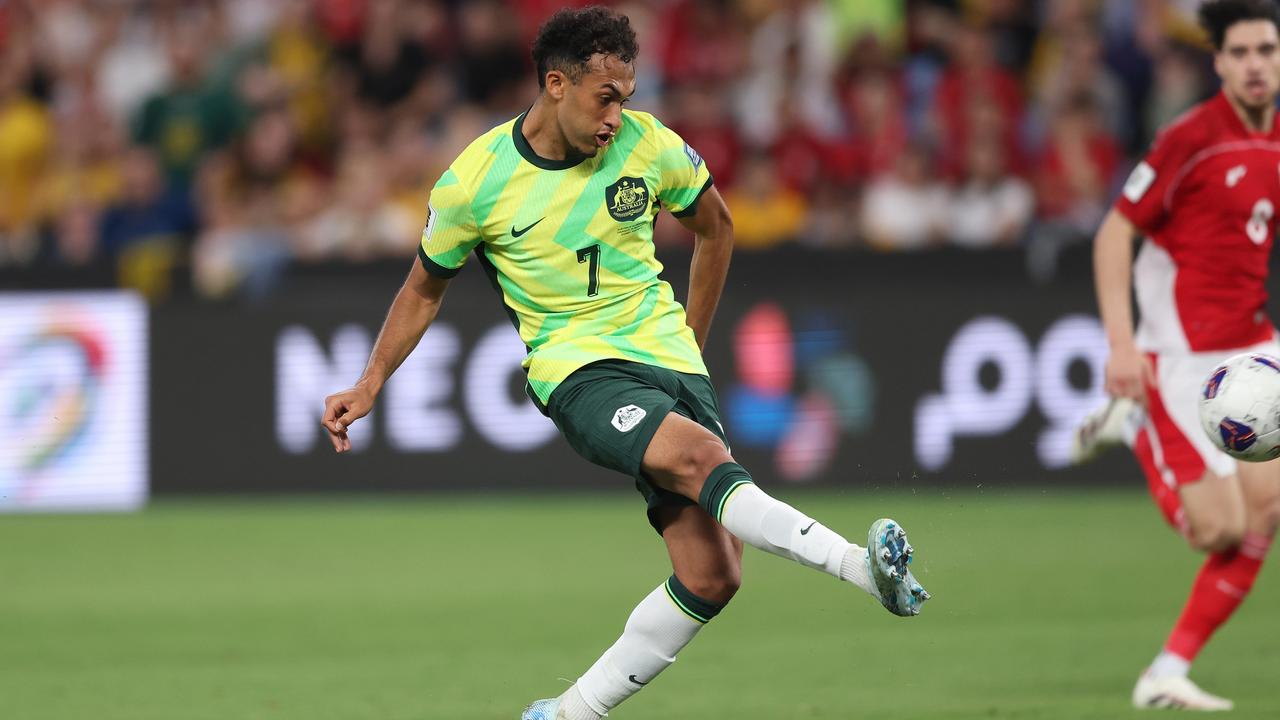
558	207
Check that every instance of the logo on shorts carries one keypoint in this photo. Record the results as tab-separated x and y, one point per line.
626	418
626	199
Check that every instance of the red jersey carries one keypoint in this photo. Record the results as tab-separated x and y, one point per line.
1205	197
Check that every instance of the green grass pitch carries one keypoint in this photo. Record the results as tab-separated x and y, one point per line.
1046	605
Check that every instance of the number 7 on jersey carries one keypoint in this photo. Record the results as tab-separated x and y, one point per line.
591	254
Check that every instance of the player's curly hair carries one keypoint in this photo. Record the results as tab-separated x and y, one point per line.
568	39
1218	15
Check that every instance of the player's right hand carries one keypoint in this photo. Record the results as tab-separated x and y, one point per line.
1128	373
342	409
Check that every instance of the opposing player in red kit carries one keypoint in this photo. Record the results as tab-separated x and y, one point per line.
1205	199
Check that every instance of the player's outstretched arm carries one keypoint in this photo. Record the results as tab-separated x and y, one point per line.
413	310
712	229
1127	369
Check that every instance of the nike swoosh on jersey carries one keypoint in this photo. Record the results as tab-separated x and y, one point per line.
518	233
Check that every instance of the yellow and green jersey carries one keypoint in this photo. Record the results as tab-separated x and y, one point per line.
569	244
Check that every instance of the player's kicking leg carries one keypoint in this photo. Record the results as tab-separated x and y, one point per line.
688	459
708	568
619	416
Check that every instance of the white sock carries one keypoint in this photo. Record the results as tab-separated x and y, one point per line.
655	632
856	569
574	707
774	526
1168	664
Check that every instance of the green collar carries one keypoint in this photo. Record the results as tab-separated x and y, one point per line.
526	150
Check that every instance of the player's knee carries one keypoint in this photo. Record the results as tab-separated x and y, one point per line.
1215	535
700	458
719	587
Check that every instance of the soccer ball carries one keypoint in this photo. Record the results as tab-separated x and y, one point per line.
1240	407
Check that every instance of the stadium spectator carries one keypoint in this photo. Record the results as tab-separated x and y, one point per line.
700	115
1178	84
1072	65
991	207
974	83
877	123
148	210
26	142
252	197
190	117
766	211
791	65
67	33
132	63
492	61
702	41
86	169
1013	28
801	158
411	168
929	29
1076	173
73	239
832	219
904	210
388	61
292	64
362	223
1077	167
146	231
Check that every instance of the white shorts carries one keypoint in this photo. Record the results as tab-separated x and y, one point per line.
1172	448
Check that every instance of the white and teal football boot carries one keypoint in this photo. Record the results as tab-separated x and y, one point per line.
889	554
548	709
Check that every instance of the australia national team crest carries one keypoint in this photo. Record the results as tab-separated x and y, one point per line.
627	417
626	199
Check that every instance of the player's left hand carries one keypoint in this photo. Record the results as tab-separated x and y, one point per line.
1129	373
342	409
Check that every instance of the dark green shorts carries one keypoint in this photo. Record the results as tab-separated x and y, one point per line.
610	410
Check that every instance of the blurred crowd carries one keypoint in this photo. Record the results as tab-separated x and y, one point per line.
224	140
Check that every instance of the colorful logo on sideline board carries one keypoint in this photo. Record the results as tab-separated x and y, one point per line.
799	390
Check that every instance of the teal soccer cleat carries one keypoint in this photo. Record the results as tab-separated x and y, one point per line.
889	553
548	709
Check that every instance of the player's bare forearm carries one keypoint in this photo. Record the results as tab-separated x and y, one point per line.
712	249
1128	372
411	313
1112	272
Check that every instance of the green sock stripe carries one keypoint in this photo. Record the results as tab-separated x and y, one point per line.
683	609
719	485
699	609
728	494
